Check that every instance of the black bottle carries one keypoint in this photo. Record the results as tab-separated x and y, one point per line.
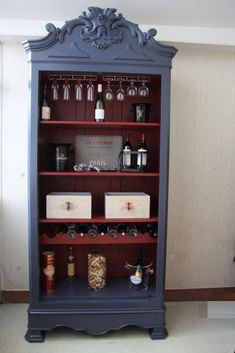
52	231
132	230
112	230
82	229
152	230
62	229
72	231
93	231
122	228
102	229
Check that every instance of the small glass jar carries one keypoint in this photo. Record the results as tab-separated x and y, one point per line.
96	271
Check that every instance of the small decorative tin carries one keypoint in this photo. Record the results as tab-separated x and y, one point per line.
48	259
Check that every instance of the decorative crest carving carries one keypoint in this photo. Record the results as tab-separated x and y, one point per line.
100	27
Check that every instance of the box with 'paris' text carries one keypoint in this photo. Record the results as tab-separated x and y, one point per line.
127	205
101	151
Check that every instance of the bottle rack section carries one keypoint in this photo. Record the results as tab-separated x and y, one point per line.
62	239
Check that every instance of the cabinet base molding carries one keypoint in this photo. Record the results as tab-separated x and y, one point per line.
171	295
95	323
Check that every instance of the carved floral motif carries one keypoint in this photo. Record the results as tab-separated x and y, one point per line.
100	27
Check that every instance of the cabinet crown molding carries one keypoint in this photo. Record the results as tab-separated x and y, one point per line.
102	29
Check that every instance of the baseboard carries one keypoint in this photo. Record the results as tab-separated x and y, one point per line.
171	295
15	296
200	294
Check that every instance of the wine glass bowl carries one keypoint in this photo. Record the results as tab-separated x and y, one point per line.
55	91
66	89
90	92
78	91
120	93
143	90
132	90
108	94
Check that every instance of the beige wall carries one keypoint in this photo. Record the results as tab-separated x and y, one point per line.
14	168
202	170
201	228
0	166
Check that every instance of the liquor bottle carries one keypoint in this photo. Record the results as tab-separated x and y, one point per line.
142	155
102	229
122	228
139	265
93	231
112	230
132	230
82	229
137	278
70	264
72	231
46	110
99	105
127	148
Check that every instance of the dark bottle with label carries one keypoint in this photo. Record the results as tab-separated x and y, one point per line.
126	153
102	229
60	156
142	156
82	229
46	110
99	105
132	230
72	231
70	264
93	231
122	228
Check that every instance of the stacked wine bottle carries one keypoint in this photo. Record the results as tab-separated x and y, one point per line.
73	230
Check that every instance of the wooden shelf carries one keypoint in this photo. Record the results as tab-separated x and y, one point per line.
98	220
61	239
93	124
78	290
98	174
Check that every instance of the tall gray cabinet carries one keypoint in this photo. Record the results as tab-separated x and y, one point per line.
100	45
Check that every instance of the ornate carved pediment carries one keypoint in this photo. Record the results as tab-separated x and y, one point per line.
102	28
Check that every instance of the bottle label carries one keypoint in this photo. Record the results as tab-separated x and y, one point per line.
126	158
142	157
46	113
135	279
49	271
71	269
99	114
